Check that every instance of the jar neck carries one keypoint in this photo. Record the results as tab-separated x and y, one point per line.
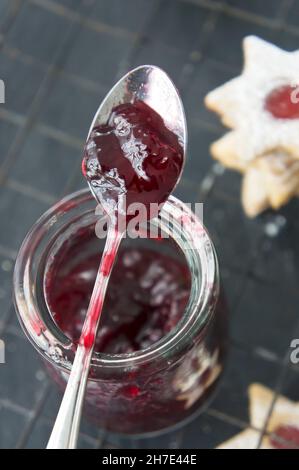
78	211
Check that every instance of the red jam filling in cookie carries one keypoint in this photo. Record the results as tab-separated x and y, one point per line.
283	102
285	437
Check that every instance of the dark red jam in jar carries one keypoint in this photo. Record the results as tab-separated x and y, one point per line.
146	298
161	341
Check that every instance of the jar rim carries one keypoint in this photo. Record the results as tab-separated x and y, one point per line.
198	251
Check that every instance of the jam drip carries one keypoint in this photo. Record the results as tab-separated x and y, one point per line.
283	103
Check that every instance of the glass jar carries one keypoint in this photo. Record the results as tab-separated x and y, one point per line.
146	391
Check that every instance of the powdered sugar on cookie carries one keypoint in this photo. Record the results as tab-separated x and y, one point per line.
262	108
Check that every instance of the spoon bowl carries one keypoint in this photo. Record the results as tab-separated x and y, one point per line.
151	85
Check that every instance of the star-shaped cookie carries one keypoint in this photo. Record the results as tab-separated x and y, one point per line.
270	180
261	106
282	430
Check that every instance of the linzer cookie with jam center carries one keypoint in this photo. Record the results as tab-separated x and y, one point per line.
261	106
282	429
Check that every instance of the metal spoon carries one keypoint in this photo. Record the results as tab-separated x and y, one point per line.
152	85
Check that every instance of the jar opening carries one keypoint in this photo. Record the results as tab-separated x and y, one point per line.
147	293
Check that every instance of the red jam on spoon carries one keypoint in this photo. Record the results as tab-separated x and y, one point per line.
283	103
135	158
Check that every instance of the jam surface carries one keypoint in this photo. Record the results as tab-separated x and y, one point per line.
135	158
146	298
282	103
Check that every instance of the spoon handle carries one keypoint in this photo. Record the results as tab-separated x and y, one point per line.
66	428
